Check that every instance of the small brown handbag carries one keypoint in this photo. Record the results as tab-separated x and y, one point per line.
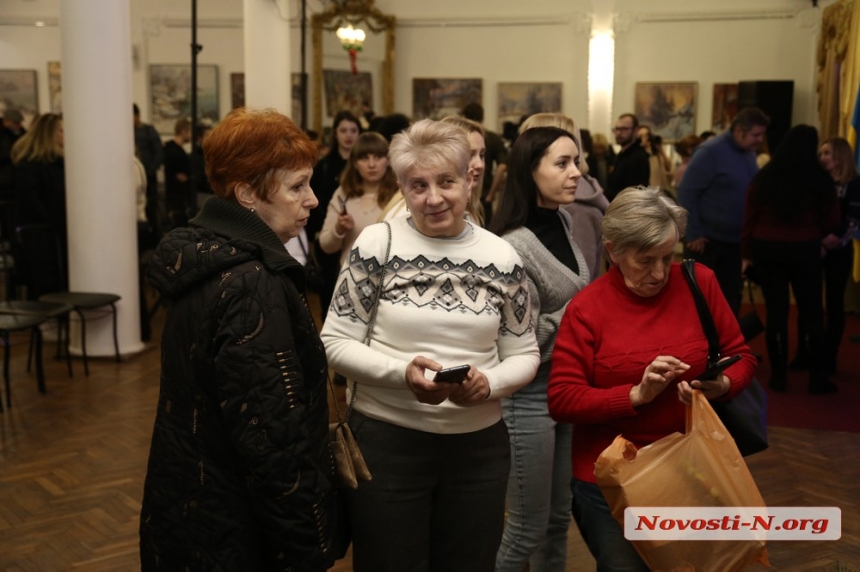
349	462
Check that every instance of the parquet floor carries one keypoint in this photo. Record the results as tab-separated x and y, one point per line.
72	464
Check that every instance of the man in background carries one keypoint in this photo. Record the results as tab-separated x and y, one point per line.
148	145
714	191
631	163
177	174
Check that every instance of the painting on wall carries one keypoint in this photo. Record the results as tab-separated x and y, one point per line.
725	106
170	92
518	99
18	91
237	90
438	98
345	90
55	87
669	109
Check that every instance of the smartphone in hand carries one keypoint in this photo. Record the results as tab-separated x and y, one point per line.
456	374
715	370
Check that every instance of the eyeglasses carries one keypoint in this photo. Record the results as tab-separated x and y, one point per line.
622	128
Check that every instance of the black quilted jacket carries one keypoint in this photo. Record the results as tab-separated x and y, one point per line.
240	466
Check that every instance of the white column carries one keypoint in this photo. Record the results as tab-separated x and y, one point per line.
601	69
99	146
267	56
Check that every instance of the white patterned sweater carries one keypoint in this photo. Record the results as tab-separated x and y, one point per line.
456	301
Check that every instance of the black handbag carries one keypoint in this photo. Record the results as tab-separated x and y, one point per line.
744	416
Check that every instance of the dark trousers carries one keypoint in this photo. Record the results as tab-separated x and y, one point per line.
724	258
436	502
837	268
798	265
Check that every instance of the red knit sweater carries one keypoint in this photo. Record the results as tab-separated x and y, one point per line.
607	338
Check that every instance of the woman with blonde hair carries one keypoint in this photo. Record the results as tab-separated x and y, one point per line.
366	186
40	179
451	294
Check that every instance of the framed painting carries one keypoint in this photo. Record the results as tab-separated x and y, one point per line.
345	90
237	90
55	87
518	99
18	91
725	106
170	92
669	109
438	98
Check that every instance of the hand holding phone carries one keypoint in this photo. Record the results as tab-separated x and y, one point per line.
716	369
456	374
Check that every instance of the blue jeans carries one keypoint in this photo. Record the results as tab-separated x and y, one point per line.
601	532
436	502
538	500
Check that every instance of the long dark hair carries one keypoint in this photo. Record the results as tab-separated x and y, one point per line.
794	181
519	200
341	116
351	181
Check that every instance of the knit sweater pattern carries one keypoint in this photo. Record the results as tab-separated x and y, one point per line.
456	301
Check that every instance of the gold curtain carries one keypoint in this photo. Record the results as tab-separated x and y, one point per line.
832	48
850	80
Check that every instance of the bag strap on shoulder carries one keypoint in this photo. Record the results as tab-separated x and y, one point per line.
689	269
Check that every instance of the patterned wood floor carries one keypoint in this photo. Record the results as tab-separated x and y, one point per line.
72	464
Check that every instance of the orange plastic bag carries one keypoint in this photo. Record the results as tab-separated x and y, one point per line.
701	468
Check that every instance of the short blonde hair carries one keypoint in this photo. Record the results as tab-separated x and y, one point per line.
429	143
641	218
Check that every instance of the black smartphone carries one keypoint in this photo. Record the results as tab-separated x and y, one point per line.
712	372
456	374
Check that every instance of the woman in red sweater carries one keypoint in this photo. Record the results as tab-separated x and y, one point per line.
629	349
791	207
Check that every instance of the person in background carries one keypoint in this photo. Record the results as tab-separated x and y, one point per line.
366	186
11	129
177	174
542	176
684	148
837	158
600	159
477	166
628	353
496	154
706	135
391	125
326	179
453	294
240	468
40	183
151	154
658	163
713	192
791	206
631	166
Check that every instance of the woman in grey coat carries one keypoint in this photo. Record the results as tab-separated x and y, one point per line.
543	173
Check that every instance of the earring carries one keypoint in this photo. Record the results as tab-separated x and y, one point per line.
252	210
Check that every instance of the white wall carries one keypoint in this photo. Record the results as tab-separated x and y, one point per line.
539	40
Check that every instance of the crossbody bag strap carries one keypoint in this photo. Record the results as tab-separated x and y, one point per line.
689	271
371	322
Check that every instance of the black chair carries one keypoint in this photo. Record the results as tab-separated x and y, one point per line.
46	280
14	323
47	311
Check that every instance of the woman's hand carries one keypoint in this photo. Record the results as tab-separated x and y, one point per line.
425	390
656	378
712	389
475	389
344	223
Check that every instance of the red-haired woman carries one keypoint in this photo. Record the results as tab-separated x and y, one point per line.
240	466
